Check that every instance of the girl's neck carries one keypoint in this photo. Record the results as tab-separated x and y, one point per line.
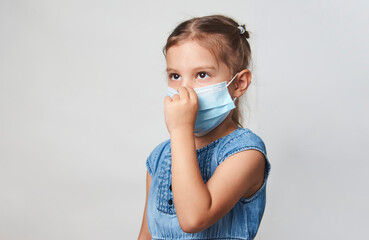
225	128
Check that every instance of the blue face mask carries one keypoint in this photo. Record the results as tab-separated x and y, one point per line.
215	103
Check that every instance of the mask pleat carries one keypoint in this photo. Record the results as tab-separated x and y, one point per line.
210	113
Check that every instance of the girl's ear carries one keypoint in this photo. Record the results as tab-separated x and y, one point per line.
242	83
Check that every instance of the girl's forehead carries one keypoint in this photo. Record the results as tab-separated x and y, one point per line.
190	54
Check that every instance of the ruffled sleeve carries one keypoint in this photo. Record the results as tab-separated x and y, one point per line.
244	141
152	161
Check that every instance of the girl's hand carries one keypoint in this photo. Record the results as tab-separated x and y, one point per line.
181	110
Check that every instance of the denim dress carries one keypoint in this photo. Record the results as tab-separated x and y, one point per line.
241	222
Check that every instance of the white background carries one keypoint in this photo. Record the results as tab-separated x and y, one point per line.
81	107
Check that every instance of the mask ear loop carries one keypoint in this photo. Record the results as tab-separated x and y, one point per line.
234	99
232	79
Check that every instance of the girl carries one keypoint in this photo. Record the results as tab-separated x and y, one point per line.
208	181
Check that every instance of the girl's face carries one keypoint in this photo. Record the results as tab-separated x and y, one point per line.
191	65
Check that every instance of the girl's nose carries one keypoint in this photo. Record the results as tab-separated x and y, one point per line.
187	83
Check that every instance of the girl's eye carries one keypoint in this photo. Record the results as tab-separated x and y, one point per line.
174	76
203	75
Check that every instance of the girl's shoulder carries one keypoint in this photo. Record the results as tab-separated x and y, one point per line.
239	140
242	136
160	150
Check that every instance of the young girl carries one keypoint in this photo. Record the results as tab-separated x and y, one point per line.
208	181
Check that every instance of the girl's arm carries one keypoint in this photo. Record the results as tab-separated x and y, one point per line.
144	232
199	205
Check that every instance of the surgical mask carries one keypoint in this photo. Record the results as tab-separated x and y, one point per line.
215	103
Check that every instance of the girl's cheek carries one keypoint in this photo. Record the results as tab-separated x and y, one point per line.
172	85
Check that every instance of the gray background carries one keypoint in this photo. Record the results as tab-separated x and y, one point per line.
81	92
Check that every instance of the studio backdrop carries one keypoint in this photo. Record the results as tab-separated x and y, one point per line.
82	85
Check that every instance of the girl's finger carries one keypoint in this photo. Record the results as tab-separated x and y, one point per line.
192	94
175	97
183	93
167	100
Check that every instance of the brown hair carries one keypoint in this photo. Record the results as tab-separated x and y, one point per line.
221	36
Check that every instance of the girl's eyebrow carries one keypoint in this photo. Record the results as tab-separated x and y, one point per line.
171	70
196	69
206	67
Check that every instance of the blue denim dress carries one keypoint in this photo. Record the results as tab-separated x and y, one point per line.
242	222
